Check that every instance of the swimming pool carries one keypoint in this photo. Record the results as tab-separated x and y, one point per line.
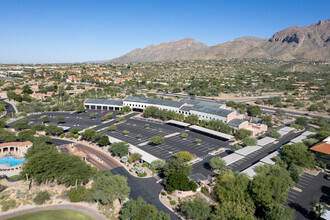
11	161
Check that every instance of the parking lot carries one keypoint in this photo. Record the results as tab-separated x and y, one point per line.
172	144
311	187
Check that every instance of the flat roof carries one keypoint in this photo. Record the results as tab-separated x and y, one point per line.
247	150
236	122
209	131
180	123
307	133
286	128
298	139
268	158
282	133
153	101
104	102
264	141
250	171
231	158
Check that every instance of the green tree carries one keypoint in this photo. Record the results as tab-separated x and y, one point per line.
243	133
156	140
112	128
61	119
274	134
53	130
26	135
139	210
192	119
7	136
45	119
217	163
270	186
249	141
2	122
198	209
298	154
253	111
89	134
184	156
107	187
301	121
157	164
232	193
180	181
21	125
177	166
104	140
119	148
135	157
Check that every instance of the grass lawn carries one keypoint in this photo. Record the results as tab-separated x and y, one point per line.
63	214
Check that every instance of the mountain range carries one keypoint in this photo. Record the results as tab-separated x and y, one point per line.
293	43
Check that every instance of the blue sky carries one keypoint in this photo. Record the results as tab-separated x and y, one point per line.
48	31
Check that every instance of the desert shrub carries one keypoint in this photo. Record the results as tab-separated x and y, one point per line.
78	194
142	174
8	204
41	197
172	202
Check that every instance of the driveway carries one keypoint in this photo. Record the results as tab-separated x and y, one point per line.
147	188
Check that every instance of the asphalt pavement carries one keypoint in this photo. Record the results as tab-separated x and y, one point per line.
313	187
147	188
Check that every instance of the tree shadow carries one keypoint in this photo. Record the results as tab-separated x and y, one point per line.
306	213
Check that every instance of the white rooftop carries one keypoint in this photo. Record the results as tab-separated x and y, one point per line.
298	139
282	133
231	158
209	131
307	133
250	171
180	123
268	158
266	140
247	150
288	129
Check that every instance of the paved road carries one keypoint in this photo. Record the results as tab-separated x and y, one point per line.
147	188
9	108
84	209
313	187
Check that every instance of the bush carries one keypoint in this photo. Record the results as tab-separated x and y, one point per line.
204	190
78	194
237	147
184	135
41	197
156	140
249	141
169	197
2	188
298	127
112	128
274	134
243	133
142	174
8	204
145	164
172	202
301	121
163	193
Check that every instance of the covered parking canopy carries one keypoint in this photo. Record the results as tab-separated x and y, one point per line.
266	140
247	150
211	132
178	123
232	158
